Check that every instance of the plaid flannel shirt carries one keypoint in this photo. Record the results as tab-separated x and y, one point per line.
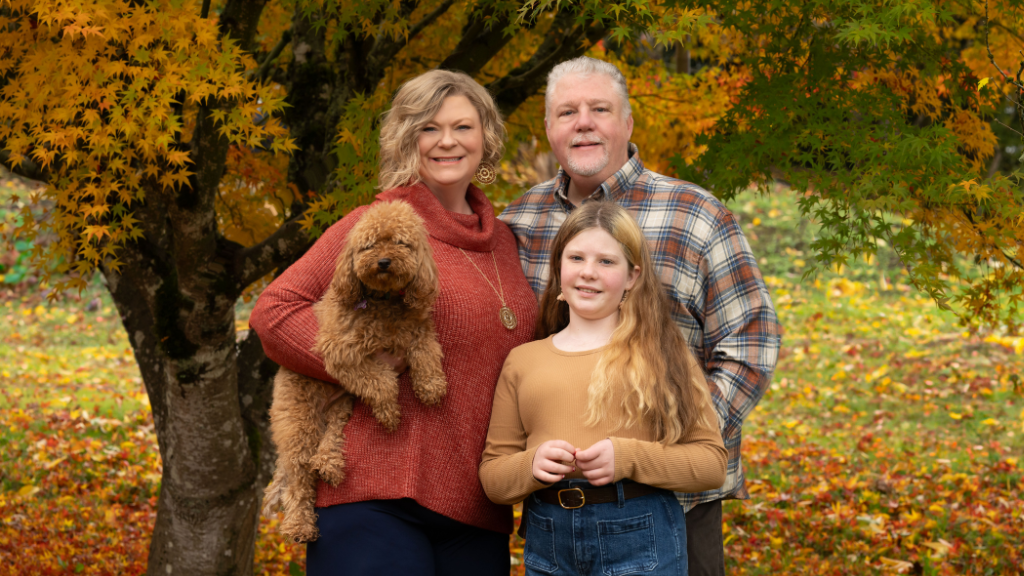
719	299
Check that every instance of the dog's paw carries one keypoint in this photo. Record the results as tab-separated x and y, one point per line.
432	391
331	470
388	415
300	532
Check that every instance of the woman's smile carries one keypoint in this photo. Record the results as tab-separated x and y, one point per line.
451	147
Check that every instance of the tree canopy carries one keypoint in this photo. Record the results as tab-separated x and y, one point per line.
889	112
191	148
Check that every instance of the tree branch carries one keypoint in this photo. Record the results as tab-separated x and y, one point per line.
238	21
317	90
992	58
384	50
482	38
1015	131
264	68
969	8
26	169
981	232
428	19
1013	260
282	247
572	41
192	214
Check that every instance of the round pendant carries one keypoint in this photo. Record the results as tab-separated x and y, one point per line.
508	319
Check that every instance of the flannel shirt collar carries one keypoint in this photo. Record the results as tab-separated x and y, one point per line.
611	189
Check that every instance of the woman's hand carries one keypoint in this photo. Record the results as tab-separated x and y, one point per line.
549	462
597	463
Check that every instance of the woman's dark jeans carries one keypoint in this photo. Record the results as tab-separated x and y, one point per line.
400	537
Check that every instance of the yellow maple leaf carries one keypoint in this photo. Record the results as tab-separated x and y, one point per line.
28	491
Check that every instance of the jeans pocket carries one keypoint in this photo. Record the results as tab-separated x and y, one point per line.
627	546
539	552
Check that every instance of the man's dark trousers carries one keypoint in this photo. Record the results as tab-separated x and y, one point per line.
704	546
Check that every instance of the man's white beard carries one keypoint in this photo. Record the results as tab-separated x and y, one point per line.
586	168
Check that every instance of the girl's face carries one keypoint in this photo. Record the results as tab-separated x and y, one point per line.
595	274
451	145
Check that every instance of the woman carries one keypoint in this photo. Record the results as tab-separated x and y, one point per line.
610	407
411	502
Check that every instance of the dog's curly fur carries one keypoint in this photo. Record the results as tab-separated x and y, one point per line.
380	298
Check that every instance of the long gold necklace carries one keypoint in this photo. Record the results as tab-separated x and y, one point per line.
508	319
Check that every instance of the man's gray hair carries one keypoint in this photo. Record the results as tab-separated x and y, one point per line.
586	66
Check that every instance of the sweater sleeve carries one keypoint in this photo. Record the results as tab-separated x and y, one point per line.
506	468
695	464
283	316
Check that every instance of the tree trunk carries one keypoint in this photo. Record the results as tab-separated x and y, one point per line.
175	291
209	396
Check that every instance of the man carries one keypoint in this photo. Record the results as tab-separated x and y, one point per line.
719	298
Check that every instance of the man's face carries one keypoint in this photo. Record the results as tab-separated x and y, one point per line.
586	127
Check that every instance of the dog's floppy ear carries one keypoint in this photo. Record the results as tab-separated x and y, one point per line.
345	286
422	291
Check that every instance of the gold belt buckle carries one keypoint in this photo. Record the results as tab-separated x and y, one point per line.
583	499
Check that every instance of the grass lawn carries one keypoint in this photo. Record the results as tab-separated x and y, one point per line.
890	441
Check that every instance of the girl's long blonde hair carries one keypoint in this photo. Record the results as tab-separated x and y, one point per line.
414	106
647	366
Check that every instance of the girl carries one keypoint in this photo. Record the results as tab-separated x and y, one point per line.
610	407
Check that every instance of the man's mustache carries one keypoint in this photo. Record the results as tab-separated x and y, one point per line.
583	139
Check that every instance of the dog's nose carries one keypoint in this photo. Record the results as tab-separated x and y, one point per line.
383	263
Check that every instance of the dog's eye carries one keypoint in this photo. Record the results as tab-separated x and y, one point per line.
367	247
400	243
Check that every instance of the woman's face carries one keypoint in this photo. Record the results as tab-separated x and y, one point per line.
595	274
451	146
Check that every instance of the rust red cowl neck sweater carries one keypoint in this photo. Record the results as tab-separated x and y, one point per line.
434	455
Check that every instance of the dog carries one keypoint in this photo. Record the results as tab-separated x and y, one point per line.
381	298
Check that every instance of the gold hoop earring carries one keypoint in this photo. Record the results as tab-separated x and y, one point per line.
560	297
485	173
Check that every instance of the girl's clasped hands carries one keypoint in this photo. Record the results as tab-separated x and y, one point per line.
597	463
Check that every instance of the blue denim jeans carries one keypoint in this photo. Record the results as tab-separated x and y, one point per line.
645	536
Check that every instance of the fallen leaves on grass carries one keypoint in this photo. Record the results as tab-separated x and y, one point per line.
79	492
883	445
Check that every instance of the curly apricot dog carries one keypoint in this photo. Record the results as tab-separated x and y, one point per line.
381	298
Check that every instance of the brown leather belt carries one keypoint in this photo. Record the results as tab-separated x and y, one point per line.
572	498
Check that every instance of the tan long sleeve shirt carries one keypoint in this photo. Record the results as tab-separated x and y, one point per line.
542	395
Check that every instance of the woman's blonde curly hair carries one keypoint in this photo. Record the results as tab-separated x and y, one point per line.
414	105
